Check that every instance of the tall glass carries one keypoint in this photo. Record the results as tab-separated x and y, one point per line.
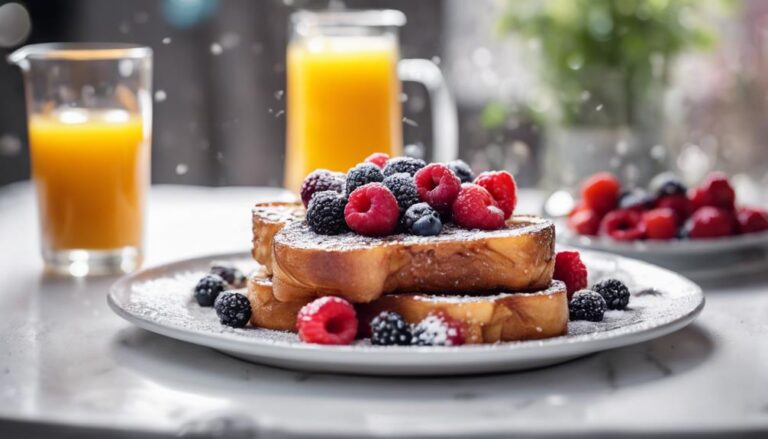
343	91
89	112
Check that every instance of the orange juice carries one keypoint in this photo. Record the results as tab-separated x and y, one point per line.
91	172
343	103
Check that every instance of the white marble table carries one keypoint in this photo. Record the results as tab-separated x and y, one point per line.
70	366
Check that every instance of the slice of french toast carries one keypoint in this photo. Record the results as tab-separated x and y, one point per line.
519	257
268	219
485	318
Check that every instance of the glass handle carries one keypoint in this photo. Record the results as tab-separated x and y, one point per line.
445	124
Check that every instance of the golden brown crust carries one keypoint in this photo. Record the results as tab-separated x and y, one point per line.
267	220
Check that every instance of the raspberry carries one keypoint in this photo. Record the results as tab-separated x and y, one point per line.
680	204
231	275
667	183
378	158
325	214
720	191
404	189
637	199
408	165
601	191
699	197
587	305
362	174
389	328
570	270
327	320
233	309
622	225
710	222
372	210
660	223
462	170
438	186
615	293
208	289
321	180
584	221
437	329
502	186
421	219
475	208
752	220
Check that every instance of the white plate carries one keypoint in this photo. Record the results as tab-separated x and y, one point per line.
160	300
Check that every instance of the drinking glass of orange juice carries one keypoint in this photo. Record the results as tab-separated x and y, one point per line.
343	90
89	112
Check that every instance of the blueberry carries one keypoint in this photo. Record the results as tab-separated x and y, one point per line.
404	189
615	293
408	165
587	305
325	214
208	289
389	328
362	174
462	170
231	275
667	183
421	219
636	199
233	309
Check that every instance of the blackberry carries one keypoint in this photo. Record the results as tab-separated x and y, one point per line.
421	219
404	189
325	214
462	170
667	183
321	180
636	199
587	305
409	165
389	328
208	289
362	174
231	275
233	309
615	293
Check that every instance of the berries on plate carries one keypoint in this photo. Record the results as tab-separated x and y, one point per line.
404	189
587	305
584	221
622	225
325	214
660	223
438	186
438	329
571	270
710	222
327	320
321	180
636	199
421	219
679	203
409	165
208	289
502	186
462	170
615	293
231	275
362	174
389	328
699	197
233	309
372	210
667	183
475	208
377	158
721	193
752	220
601	192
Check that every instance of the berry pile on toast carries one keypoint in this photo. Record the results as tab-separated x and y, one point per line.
407	253
667	210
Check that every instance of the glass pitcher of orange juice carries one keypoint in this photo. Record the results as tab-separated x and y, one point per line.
343	92
89	121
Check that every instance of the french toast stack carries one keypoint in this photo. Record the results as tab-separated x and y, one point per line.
496	283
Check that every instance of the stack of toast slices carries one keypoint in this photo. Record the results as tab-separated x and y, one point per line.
498	284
